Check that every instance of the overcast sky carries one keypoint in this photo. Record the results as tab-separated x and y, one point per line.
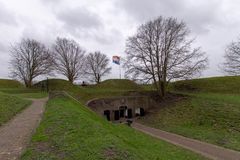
105	24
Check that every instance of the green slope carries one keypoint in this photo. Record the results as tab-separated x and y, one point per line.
112	87
229	84
8	83
55	84
70	131
209	117
209	112
121	84
10	106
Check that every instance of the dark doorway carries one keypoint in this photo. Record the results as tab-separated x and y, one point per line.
129	111
107	114
116	115
142	113
121	113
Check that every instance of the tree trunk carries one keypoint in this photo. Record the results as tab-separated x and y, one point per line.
70	79
163	88
159	89
28	83
98	78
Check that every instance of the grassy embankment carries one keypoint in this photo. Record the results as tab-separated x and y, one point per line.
15	88
209	113
12	94
107	88
10	105
69	130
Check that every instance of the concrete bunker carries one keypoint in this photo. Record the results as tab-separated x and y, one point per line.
106	113
140	112
120	108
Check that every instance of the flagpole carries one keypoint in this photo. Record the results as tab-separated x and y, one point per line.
120	71
116	60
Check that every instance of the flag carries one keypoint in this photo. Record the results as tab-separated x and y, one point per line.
116	60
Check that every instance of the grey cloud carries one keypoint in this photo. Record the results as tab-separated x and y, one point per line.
51	1
105	25
3	48
79	19
7	17
84	24
199	16
110	37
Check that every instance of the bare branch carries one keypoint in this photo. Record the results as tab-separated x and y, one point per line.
161	51
30	59
69	57
231	65
97	66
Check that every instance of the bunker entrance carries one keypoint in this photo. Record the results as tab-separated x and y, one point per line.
107	114
142	112
129	113
139	112
116	115
122	110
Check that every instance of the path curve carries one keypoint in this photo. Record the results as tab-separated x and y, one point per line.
15	134
208	150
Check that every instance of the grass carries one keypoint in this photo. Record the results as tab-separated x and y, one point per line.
108	88
210	117
15	88
35	95
119	84
228	84
69	131
12	98
24	92
210	113
8	83
10	106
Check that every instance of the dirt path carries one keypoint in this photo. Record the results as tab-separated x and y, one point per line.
16	133
205	149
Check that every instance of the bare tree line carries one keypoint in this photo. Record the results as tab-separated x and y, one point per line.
160	51
31	59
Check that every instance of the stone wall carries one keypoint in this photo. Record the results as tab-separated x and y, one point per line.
121	107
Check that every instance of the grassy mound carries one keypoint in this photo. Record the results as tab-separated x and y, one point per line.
71	131
121	84
108	88
229	84
13	87
210	117
209	112
55	84
10	106
8	83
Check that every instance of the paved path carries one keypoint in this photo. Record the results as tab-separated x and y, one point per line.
205	149
16	133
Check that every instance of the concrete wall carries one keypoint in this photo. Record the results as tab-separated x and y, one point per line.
113	105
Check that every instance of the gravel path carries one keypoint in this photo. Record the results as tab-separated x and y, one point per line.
205	149
16	133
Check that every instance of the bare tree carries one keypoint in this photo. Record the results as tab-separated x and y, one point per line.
161	51
231	65
97	66
30	59
69	57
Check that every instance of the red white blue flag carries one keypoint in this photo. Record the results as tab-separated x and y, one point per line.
116	60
